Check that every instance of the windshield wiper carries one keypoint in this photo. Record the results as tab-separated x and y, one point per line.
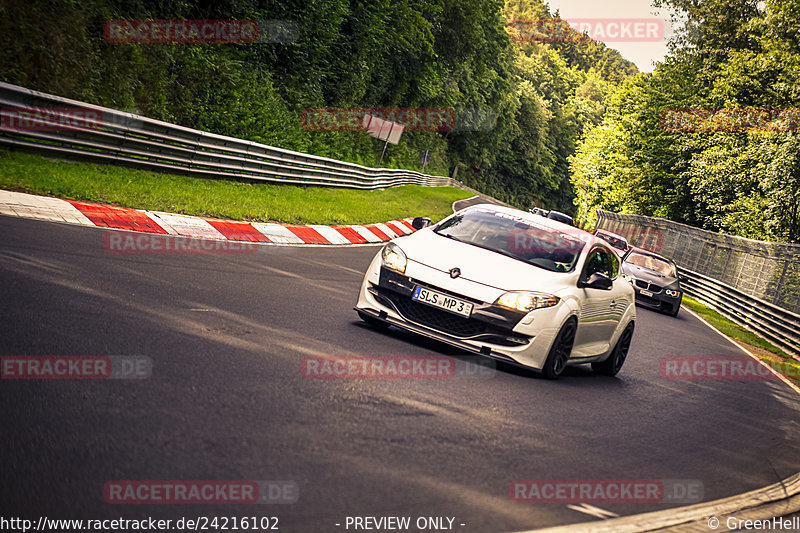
449	236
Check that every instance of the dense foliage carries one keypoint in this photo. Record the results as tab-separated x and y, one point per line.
534	99
733	58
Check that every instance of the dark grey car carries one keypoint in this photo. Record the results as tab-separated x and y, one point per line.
655	280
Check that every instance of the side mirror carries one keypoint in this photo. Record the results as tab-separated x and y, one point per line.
420	222
596	281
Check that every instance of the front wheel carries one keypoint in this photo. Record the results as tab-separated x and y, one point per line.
612	365
557	359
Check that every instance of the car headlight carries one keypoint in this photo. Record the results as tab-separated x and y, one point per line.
394	258
670	292
526	301
627	278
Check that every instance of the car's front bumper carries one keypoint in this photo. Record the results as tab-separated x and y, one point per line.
659	301
510	336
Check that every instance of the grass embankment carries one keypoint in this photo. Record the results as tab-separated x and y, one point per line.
763	349
108	184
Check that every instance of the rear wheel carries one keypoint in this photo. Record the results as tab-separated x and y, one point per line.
612	365
557	359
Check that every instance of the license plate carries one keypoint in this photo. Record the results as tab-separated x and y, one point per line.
646	293
442	301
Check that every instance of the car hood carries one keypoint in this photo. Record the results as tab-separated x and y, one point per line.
478	264
649	275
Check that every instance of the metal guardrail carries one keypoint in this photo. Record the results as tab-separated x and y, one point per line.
732	275
766	270
777	325
132	140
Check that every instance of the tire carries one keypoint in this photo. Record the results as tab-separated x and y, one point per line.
557	359
612	365
372	321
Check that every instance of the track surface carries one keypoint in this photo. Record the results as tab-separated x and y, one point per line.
227	400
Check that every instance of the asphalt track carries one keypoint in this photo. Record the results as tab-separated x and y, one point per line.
227	400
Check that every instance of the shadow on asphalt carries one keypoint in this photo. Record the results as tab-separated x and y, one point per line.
578	371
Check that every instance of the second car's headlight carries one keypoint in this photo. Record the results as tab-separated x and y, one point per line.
526	301
672	293
394	258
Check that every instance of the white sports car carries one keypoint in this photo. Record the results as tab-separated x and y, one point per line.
508	285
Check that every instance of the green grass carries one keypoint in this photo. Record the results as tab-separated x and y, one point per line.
108	184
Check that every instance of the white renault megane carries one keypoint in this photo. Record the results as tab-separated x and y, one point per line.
508	285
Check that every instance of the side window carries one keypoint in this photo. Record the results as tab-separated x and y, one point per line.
603	261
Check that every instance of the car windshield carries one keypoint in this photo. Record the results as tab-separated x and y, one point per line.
613	241
651	262
515	236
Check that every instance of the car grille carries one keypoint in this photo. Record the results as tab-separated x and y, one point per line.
435	318
647	300
648	286
449	323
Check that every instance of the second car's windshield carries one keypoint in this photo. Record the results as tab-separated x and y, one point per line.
613	241
514	236
652	263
